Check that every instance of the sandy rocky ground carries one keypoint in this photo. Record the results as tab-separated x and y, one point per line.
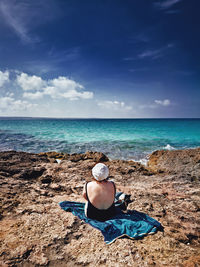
34	231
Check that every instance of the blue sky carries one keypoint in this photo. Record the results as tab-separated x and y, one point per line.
120	59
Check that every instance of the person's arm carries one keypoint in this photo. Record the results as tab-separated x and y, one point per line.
84	192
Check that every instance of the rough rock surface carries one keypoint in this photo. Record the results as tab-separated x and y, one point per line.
177	161
95	156
34	231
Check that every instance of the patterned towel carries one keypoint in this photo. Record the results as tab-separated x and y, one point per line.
133	224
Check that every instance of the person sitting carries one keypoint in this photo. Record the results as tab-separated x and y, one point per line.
100	195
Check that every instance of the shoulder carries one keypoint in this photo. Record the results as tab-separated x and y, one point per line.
90	184
111	182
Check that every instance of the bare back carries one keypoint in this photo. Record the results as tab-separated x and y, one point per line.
102	194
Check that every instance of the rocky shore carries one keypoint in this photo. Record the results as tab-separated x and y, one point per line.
34	231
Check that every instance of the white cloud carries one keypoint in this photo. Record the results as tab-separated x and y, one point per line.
74	95
157	53
114	105
4	77
9	11
64	83
22	16
61	87
156	104
27	82
165	102
33	96
151	53
66	88
9	103
26	92
166	4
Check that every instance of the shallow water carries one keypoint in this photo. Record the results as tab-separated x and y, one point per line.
117	138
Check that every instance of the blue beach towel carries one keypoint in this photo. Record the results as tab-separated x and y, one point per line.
133	224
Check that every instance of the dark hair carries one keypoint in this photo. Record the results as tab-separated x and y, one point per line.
100	181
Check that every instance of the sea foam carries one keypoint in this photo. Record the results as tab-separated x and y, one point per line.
169	147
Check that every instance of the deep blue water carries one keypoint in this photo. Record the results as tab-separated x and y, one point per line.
117	138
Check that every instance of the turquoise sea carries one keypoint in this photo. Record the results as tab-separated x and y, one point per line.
117	138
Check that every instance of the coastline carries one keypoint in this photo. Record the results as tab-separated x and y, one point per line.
35	231
128	139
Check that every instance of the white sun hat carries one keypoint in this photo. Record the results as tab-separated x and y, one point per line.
100	172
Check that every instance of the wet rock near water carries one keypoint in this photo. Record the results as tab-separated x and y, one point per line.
34	231
177	161
95	156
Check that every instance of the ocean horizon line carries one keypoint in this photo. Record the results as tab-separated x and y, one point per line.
97	118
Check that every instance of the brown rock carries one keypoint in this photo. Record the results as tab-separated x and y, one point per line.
193	261
75	157
38	258
34	231
31	173
177	161
96	156
53	154
55	186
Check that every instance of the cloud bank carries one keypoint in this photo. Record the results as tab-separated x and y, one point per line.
4	77
114	105
156	104
61	87
164	103
166	4
9	103
22	94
